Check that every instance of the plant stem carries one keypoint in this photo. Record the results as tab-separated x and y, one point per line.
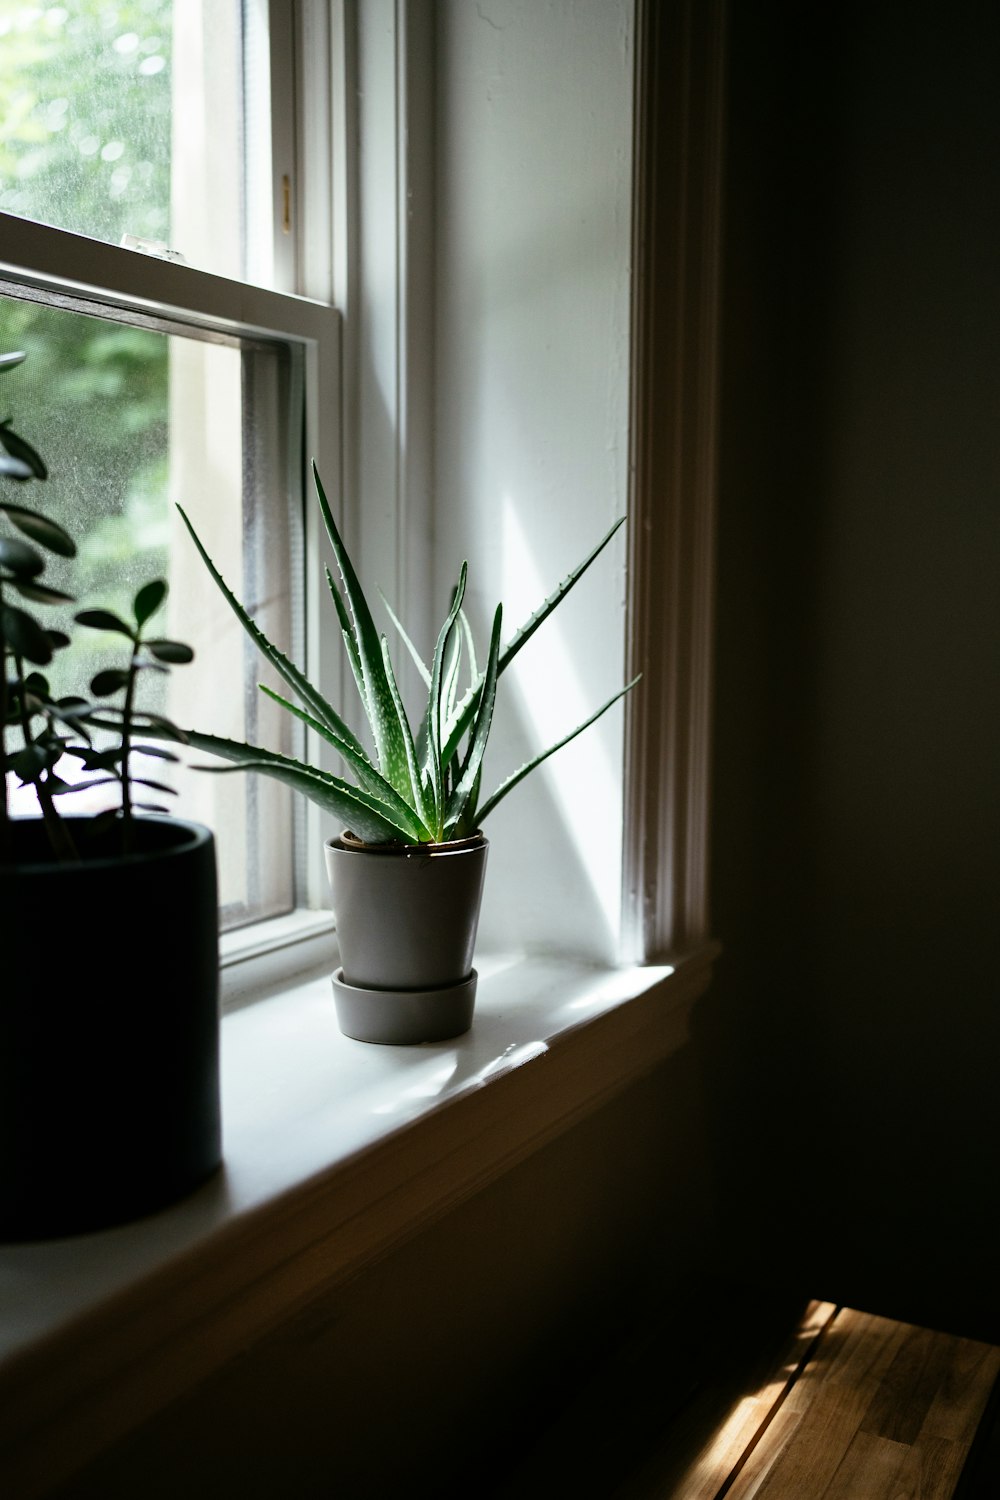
58	835
133	669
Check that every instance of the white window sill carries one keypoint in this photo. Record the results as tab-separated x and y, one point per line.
335	1150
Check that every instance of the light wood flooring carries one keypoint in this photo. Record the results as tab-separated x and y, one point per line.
861	1408
842	1405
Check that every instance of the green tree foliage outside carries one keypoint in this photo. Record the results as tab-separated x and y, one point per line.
85	101
85	115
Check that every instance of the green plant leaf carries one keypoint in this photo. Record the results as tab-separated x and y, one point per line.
144	721
58	788
156	786
370	779
110	681
174	652
416	798
98	760
40	593
41	530
19	448
379	705
296	679
468	782
24	636
357	810
103	619
18	560
14	468
519	775
29	763
418	660
470	644
430	732
148	600
350	645
449	680
347	631
468	707
157	752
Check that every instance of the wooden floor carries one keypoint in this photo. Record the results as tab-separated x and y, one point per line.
842	1405
862	1408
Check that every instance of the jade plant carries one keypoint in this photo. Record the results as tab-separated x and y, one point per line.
39	732
421	786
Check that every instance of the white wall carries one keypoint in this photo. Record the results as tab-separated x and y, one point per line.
532	225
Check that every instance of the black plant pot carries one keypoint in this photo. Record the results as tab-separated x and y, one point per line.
109	1028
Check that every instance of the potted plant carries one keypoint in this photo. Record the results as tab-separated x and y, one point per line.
407	869
109	1065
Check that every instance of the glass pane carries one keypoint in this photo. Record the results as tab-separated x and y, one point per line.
130	421
124	119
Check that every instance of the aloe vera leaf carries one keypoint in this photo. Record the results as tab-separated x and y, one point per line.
418	660
360	811
468	823
422	741
371	780
519	775
470	644
350	643
296	679
431	728
352	656
416	800
479	736
453	662
468	707
385	726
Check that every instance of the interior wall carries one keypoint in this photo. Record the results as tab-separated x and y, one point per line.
851	1048
533	131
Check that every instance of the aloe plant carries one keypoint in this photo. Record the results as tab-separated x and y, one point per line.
418	787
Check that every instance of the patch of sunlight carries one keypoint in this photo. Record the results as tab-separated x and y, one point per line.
614	989
430	1081
514	1056
549	684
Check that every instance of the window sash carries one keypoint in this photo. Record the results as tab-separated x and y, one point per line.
51	265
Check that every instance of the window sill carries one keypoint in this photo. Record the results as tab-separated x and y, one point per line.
335	1151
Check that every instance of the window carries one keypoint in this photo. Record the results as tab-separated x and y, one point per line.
147	266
